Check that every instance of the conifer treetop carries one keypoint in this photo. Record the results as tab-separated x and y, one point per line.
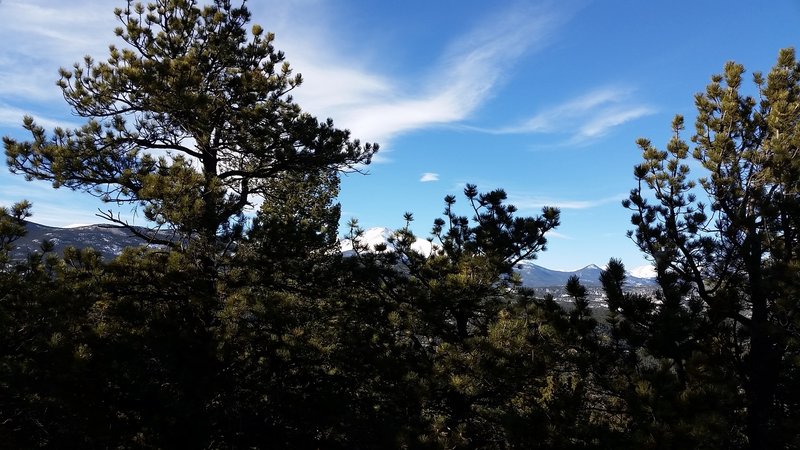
189	119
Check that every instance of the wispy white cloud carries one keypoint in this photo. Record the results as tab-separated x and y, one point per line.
603	123
553	118
39	36
12	116
557	235
586	117
428	177
377	106
532	202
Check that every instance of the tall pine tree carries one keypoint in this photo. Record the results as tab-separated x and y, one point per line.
731	236
190	119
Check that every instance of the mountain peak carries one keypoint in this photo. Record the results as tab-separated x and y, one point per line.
380	236
110	240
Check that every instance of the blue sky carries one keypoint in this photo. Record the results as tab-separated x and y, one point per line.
543	99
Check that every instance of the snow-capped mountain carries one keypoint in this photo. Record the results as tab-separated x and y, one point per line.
534	275
110	240
376	236
644	271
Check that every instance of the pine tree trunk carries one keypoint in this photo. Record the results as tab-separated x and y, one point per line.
761	386
210	220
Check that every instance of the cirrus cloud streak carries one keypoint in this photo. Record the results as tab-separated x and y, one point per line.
589	116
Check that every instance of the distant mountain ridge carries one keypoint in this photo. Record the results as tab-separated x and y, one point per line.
532	275
107	239
110	240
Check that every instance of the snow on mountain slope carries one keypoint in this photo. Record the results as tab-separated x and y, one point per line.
373	237
111	240
532	275
537	276
644	271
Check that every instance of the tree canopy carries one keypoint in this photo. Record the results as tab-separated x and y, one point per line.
731	236
234	336
190	118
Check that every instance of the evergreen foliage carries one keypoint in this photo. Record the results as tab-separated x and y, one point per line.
725	246
266	336
12	226
192	85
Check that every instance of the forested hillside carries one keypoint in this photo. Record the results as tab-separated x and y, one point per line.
240	331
